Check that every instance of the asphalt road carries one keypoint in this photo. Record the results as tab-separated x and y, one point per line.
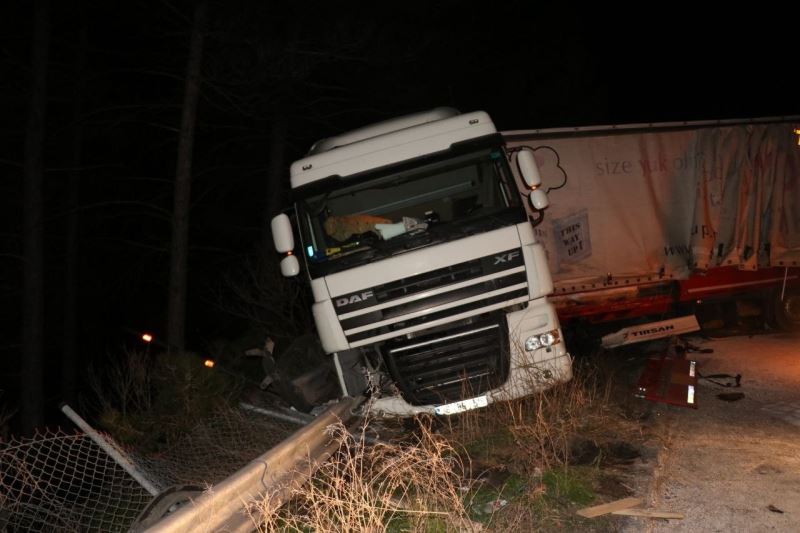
732	466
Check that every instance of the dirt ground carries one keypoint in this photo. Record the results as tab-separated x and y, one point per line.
730	466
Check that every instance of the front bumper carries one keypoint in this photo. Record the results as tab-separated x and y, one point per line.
528	372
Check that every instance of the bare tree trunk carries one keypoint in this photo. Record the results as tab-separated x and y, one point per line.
32	409
179	252
275	173
69	360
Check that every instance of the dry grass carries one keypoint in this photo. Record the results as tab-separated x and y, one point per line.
538	429
417	485
532	440
434	479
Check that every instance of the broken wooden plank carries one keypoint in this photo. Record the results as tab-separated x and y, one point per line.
606	508
649	513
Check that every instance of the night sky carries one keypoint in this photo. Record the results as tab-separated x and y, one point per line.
279	75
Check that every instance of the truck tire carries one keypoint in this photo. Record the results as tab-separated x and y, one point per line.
167	502
787	311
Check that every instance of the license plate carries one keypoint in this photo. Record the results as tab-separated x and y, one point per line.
461	406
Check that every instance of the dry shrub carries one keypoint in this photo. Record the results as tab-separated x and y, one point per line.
539	428
412	486
150	400
125	382
543	425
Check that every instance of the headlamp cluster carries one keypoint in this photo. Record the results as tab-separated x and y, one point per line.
542	340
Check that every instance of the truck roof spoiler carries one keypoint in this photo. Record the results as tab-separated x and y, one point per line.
382	128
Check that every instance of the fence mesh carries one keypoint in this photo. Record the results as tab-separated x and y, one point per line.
61	481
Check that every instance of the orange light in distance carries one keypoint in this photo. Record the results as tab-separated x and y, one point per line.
147	337
209	363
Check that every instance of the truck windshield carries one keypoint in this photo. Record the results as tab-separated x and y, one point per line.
394	212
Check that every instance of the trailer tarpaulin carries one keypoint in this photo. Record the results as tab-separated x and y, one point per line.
649	204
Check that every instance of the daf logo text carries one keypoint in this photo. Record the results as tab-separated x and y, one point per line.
354	298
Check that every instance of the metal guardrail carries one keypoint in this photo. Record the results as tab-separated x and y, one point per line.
273	474
295	417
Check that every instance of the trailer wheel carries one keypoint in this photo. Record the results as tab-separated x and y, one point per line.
787	311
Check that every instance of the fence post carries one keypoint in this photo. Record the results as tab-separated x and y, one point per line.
114	453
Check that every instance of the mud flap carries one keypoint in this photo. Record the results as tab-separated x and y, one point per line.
669	380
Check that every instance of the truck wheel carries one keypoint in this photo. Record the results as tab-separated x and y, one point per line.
169	501
787	311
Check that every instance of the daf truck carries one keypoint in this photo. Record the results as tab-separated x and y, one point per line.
429	284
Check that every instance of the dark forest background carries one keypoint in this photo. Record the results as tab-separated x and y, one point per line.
93	100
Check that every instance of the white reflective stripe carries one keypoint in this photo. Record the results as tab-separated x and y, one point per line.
430	310
742	284
433	292
434	323
690	394
443	339
692	368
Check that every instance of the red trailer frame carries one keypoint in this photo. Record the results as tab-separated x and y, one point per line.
624	299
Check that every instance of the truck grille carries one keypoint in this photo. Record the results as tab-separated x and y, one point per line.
454	292
450	365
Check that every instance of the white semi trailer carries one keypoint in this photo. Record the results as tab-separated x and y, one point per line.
430	289
657	220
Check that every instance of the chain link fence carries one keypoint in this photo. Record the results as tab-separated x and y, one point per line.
61	481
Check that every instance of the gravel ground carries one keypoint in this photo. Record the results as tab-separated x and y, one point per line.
732	466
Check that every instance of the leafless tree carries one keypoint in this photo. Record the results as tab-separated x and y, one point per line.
32	410
259	294
70	359
179	252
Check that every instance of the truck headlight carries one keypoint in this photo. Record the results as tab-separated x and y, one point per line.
534	342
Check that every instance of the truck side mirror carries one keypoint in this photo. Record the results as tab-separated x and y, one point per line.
282	234
290	266
539	199
528	168
283	238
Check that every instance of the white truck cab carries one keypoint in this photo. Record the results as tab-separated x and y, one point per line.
429	286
